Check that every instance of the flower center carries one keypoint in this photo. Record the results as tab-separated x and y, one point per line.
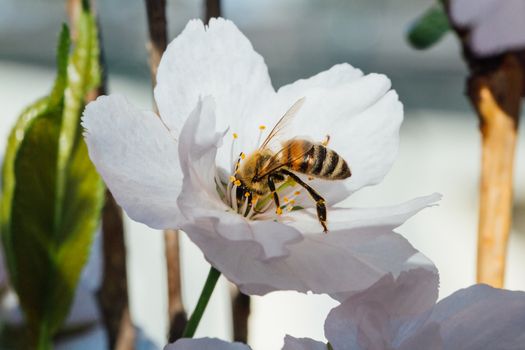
252	204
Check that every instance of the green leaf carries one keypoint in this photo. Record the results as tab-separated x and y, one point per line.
429	28
52	195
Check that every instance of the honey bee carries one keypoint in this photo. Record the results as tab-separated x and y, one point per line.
260	172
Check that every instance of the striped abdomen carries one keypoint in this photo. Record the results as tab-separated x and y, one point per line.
314	159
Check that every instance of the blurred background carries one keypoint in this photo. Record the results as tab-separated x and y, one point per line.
439	151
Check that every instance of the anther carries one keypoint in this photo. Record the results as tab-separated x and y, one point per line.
243	155
297	193
292	202
237	182
246	194
285	199
235	135
232	179
262	127
278	211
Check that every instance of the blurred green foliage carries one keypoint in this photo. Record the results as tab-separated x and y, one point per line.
429	28
52	195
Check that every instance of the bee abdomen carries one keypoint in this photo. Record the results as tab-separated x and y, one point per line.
328	164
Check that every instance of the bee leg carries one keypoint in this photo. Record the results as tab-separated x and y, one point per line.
237	163
248	195
319	201
271	185
239	195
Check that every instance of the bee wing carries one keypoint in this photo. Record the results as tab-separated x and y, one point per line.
294	148
283	122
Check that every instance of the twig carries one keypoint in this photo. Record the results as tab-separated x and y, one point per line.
158	39
496	96
113	293
213	9
240	314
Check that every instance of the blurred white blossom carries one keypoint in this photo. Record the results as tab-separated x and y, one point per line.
494	26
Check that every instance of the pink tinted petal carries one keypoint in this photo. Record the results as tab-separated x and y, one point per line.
291	343
137	158
205	344
371	319
482	318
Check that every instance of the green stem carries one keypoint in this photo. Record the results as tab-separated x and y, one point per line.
207	290
44	339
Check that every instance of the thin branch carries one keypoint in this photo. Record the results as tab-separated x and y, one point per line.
158	39
240	314
213	9
158	34
113	294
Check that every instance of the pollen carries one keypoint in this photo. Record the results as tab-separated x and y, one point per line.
279	211
232	179
243	155
237	182
235	135
262	127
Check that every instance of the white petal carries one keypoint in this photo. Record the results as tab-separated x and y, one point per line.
362	118
200	202
205	344
370	320
340	263
339	218
337	75
216	60
137	158
482	318
291	343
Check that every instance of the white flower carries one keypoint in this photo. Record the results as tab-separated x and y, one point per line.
214	94
389	316
494	26
205	344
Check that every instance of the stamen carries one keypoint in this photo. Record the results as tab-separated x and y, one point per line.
243	155
235	135
278	211
285	199
297	193
237	183
261	130
246	194
232	179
